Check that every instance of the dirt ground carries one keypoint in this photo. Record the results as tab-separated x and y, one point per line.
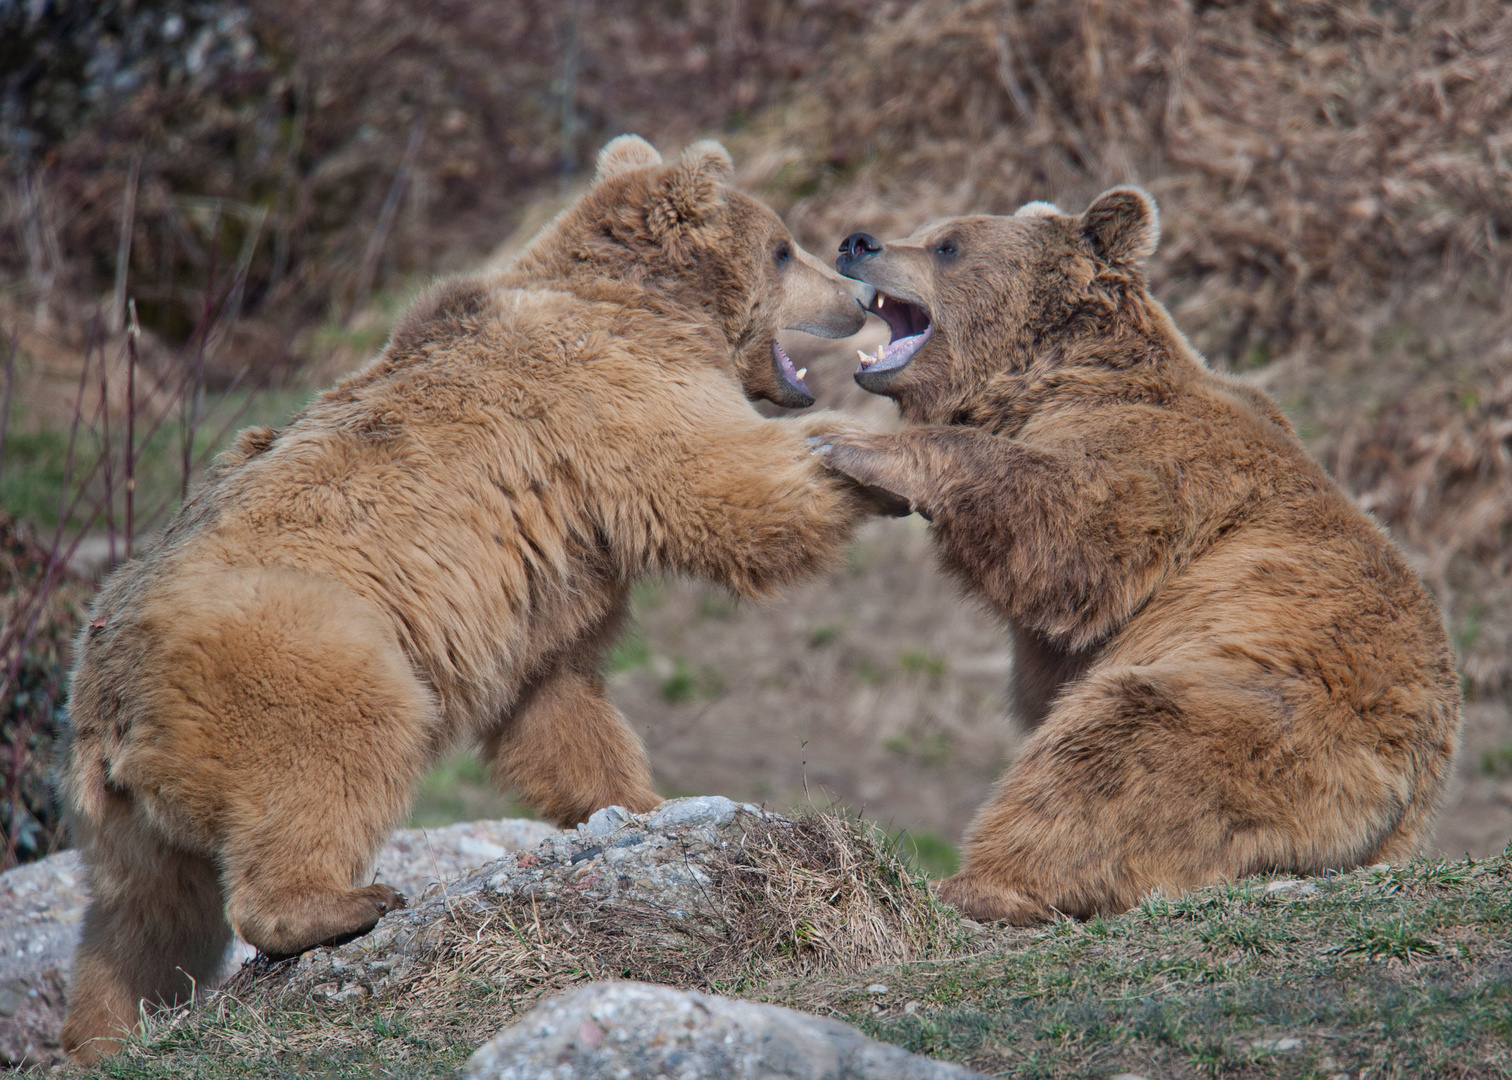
879	687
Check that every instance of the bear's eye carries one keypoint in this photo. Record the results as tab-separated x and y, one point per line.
947	249
782	253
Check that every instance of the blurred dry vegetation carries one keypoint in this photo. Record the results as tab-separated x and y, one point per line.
265	180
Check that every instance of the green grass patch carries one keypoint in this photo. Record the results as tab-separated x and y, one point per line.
632	651
37	486
927	664
685	684
1398	972
459	788
1497	762
716	605
930	748
823	636
232	1041
929	853
1386	972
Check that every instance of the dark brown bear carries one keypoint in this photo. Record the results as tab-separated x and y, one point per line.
1227	668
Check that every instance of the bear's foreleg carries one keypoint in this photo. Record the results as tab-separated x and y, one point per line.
568	751
754	510
1061	543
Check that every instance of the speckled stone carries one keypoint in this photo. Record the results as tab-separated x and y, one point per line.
636	1031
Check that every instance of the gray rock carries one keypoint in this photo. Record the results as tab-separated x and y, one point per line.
416	860
615	861
700	810
42	911
1279	1045
605	821
1291	889
636	1031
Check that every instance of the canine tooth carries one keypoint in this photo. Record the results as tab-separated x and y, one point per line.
801	373
880	300
864	358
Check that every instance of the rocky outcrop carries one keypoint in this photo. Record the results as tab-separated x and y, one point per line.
634	1031
42	910
699	893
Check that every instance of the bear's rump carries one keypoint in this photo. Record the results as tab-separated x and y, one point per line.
251	678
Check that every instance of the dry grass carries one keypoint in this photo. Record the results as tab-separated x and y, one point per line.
321	149
1309	157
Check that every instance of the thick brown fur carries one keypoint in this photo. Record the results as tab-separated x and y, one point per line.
437	551
1227	668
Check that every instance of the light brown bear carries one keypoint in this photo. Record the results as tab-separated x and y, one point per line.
1228	668
437	551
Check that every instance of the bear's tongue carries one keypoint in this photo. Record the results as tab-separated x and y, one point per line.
790	375
911	328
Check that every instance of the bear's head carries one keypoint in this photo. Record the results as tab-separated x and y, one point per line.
678	234
970	299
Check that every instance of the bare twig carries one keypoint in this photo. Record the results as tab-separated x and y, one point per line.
1005	74
41	266
123	247
108	462
286	180
133	332
189	401
5	403
568	164
374	250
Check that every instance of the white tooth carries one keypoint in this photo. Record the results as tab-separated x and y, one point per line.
864	358
801	373
880	299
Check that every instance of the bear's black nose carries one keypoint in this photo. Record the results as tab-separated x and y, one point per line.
856	247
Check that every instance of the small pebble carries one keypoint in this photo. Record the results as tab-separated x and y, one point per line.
1278	1045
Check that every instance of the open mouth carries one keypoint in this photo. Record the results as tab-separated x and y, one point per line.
796	395
911	328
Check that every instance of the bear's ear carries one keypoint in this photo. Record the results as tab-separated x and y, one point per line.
689	190
624	153
1123	225
1038	209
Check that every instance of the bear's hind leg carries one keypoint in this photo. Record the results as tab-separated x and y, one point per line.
569	752
346	731
154	931
293	868
1148	779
